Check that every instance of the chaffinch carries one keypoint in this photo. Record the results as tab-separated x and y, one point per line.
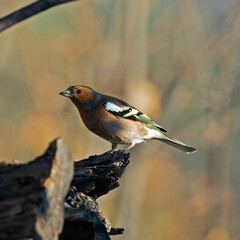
116	121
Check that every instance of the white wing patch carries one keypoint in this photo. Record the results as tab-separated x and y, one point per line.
114	108
131	113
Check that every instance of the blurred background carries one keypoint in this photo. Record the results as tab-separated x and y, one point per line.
177	61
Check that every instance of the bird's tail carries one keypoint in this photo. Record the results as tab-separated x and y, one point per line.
177	144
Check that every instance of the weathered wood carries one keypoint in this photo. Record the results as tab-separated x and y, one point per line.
99	174
93	177
32	195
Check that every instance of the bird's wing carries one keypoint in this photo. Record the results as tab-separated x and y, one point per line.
122	109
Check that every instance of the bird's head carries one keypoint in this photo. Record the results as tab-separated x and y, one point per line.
82	96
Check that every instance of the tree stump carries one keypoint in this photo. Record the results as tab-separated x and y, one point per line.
54	198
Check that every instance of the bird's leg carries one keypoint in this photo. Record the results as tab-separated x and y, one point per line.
130	146
114	147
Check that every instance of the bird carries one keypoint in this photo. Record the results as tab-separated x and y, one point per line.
116	121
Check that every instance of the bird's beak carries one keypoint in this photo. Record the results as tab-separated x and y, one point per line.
66	93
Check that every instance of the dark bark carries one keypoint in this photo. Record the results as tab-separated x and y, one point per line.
41	199
32	195
93	177
98	175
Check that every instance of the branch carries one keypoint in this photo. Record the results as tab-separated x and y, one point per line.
28	11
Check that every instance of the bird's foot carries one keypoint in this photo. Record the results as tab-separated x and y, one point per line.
114	147
111	151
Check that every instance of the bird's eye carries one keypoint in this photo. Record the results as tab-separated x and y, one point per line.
79	91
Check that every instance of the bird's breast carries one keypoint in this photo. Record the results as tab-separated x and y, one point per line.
112	128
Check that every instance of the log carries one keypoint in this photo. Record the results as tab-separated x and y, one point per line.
53	198
32	195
